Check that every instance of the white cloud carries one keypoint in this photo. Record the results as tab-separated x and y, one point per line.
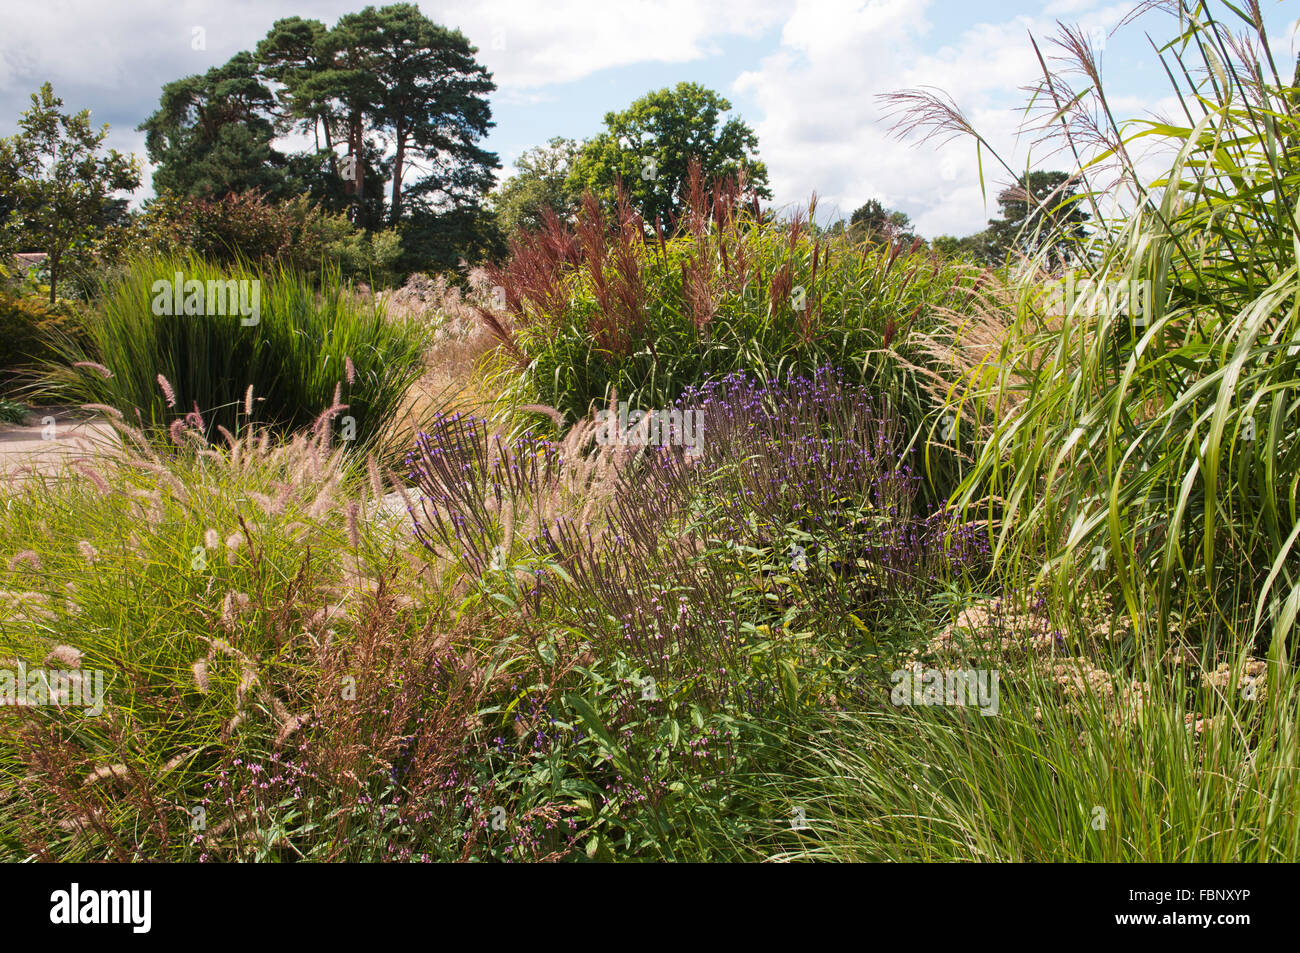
825	128
117	57
528	44
1062	8
525	43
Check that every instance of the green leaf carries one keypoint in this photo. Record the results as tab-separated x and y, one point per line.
589	718
789	681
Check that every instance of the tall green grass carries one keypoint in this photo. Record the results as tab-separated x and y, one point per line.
293	358
1140	460
1043	781
1153	445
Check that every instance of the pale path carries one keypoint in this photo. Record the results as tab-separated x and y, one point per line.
46	449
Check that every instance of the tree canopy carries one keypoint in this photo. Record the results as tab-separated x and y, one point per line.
1042	212
402	97
648	147
541	183
58	183
212	134
873	222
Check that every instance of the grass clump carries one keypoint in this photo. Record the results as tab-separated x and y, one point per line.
1082	763
614	308
300	349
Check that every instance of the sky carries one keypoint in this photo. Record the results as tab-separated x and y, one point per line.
805	74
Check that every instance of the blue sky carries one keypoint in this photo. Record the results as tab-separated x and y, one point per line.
804	73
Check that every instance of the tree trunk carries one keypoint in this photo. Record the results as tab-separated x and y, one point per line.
329	144
396	211
359	171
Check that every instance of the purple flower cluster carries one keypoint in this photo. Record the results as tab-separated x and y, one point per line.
464	473
815	461
808	461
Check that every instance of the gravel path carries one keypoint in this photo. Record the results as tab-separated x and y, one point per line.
51	436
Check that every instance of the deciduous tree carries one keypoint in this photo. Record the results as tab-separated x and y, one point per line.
540	183
59	182
649	145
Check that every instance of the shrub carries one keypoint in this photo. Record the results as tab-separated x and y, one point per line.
30	328
311	351
700	640
13	412
248	227
614	307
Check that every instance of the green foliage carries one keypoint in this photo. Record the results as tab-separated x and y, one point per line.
1046	781
650	146
539	185
445	241
177	588
428	95
30	329
1153	440
703	645
13	412
581	655
58	183
381	77
212	134
294	356
295	54
1042	217
278	674
647	319
873	222
294	234
972	248
1042	214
